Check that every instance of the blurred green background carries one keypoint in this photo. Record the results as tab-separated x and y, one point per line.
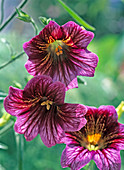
105	88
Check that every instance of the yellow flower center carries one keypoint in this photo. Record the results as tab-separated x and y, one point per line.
93	141
48	103
55	47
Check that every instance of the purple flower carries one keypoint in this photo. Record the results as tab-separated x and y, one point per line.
101	140
40	109
61	53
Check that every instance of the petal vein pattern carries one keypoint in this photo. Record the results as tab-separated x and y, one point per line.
61	53
40	109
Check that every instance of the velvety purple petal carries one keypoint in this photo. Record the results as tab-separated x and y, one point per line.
62	71
51	132
71	116
108	159
56	91
36	48
79	37
14	103
29	123
41	86
72	84
75	59
66	117
52	29
75	157
83	61
37	86
118	142
109	112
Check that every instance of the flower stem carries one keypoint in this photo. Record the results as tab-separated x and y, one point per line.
20	146
76	16
34	26
11	60
2	11
21	5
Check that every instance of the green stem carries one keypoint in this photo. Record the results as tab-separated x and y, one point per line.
2	11
6	128
11	60
34	26
76	16
20	146
21	5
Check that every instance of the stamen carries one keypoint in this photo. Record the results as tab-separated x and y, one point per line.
47	103
94	139
55	48
92	147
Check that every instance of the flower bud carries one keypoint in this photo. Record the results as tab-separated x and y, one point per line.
23	16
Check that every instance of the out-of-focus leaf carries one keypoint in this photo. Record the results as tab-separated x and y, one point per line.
6	127
2	168
2	96
81	80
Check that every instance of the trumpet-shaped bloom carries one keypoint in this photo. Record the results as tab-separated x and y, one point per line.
40	109
61	53
101	140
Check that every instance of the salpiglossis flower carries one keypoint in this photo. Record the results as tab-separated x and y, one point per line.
61	53
40	109
101	140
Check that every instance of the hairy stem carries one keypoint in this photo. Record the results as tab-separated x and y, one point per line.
21	5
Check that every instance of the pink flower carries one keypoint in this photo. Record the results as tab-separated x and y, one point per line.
40	109
101	140
61	53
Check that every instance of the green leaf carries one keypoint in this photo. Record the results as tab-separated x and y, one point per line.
2	96
76	16
81	80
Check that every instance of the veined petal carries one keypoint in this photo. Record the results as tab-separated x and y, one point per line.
75	157
109	111
14	103
56	91
72	116
61	53
52	29
76	36
73	84
83	61
51	132
37	86
29	123
107	159
118	142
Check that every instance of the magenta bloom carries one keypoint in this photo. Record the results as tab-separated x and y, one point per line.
61	53
101	140
40	109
